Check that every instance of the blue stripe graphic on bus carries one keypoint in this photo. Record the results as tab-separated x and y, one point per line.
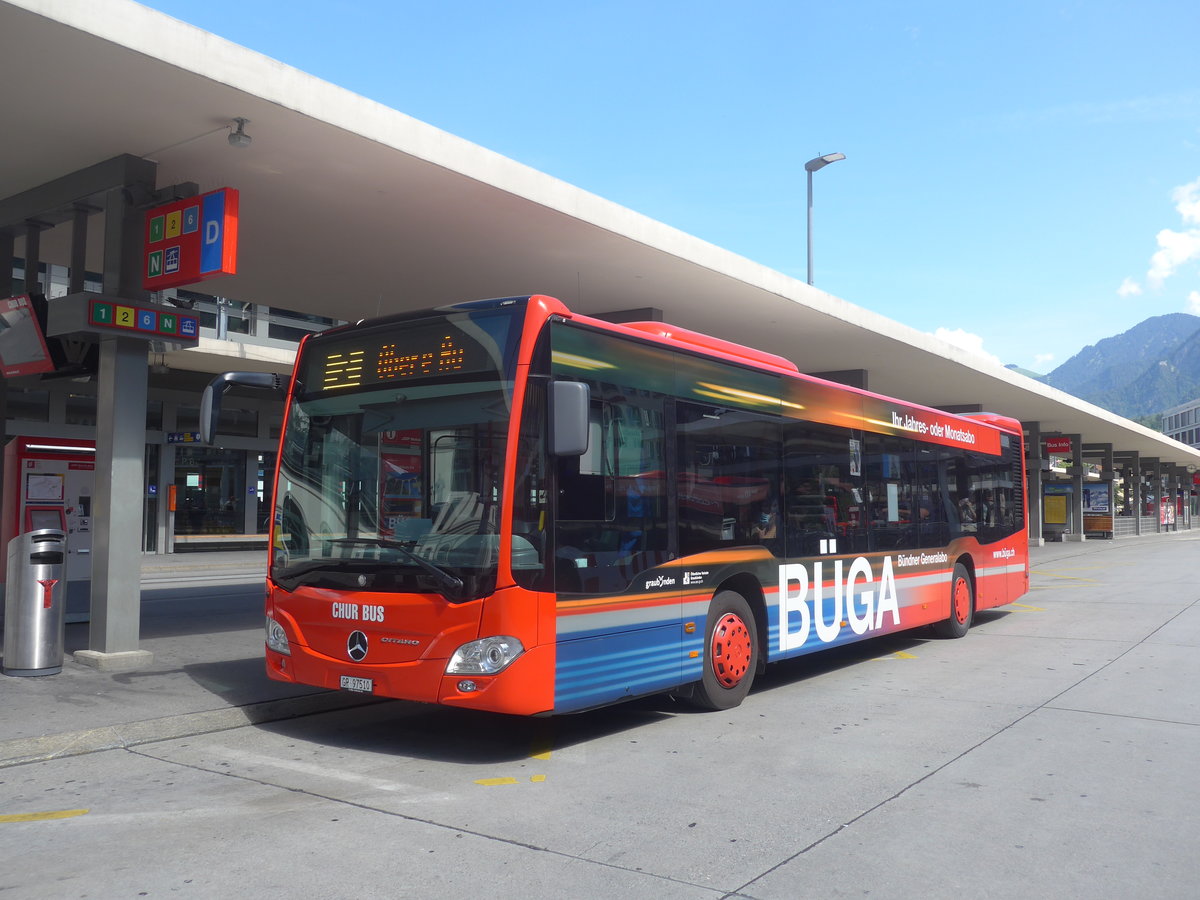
597	670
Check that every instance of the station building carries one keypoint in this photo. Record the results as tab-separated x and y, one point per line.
1182	423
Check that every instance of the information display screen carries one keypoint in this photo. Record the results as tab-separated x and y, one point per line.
455	345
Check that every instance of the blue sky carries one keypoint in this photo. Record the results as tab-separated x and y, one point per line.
1025	175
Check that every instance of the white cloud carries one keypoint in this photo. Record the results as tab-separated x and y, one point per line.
1129	288
964	340
1177	247
1187	201
1193	304
1041	360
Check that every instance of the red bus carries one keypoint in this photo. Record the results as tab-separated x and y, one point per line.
503	505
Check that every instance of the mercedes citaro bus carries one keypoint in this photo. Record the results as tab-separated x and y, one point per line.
503	505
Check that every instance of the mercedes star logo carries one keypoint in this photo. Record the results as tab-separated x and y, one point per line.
356	646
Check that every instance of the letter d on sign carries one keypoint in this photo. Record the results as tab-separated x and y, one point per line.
213	216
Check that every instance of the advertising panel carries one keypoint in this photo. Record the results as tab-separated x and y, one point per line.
1097	499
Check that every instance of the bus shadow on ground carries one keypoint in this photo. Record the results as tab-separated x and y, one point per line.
988	616
791	672
422	731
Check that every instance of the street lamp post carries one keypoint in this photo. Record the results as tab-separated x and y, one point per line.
812	166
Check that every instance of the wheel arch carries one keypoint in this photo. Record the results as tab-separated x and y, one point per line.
967	561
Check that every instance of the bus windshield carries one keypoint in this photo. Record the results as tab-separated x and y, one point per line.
390	479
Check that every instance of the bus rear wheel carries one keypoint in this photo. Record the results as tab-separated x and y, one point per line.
962	606
731	653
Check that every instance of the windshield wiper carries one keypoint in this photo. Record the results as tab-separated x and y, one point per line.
451	586
295	572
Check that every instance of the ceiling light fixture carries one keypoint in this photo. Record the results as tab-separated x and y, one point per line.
238	137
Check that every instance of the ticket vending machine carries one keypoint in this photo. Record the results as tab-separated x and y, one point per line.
48	483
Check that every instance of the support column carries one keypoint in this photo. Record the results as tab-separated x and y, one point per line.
1173	492
1077	479
1108	477
1033	478
33	257
250	494
76	277
1135	481
166	478
116	557
122	389
1156	486
7	246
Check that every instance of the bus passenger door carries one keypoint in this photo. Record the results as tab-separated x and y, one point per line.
618	584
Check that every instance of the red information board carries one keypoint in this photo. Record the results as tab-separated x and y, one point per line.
190	240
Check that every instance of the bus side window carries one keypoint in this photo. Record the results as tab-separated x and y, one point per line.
729	476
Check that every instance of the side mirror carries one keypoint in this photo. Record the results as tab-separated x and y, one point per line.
569	402
210	400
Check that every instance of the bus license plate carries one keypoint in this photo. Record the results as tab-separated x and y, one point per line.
362	685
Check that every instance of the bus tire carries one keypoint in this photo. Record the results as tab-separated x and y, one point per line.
962	605
730	653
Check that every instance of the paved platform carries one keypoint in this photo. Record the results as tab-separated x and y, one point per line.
202	620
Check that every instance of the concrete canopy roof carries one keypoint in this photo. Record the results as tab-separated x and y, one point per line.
351	209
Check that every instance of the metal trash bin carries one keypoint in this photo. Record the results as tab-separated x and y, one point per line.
35	603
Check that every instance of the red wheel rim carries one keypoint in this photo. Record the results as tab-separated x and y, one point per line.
731	650
962	599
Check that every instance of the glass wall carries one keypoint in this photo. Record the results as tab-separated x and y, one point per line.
210	490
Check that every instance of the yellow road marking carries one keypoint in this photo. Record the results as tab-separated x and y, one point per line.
44	816
899	654
1064	577
1034	608
541	749
498	782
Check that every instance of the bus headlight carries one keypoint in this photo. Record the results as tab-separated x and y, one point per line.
484	657
277	637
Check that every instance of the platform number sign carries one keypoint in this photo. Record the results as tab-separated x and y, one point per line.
144	321
191	240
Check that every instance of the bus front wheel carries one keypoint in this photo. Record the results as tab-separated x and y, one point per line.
962	606
730	653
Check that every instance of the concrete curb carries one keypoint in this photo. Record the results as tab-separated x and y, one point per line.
20	751
166	579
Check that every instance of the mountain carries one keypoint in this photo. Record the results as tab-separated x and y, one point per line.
1151	367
